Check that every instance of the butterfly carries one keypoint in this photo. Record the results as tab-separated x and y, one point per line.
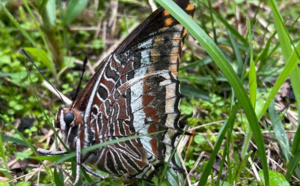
135	91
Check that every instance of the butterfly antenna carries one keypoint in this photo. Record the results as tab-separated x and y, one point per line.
78	87
26	54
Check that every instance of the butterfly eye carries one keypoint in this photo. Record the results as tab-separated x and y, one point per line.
69	117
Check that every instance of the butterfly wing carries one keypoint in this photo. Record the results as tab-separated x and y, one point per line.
135	92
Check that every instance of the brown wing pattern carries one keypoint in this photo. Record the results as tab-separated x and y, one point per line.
134	92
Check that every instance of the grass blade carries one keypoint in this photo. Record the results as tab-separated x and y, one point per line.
252	90
228	26
15	22
97	146
279	131
3	157
236	52
73	9
38	27
293	164
286	47
252	71
43	57
290	65
289	56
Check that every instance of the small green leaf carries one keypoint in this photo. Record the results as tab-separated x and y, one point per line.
5	59
276	179
194	92
73	9
48	158
239	1
42	56
12	139
25	183
186	109
33	129
51	11
23	155
199	139
4	183
172	177
252	71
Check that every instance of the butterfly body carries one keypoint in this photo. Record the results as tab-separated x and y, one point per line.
135	91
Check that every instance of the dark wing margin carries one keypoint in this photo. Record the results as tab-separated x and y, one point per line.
157	20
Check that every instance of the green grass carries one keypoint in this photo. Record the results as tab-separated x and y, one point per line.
231	74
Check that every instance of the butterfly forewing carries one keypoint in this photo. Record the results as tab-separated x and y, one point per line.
135	91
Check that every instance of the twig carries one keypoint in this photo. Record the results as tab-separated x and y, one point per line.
51	89
152	5
186	172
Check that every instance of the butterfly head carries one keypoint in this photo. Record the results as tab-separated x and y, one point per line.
68	118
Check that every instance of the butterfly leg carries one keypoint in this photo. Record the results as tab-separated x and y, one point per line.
48	152
89	170
78	157
78	160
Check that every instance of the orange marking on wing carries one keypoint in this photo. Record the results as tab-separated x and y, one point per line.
166	13
184	32
190	7
169	21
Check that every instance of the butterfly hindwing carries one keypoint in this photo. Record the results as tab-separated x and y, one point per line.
134	92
